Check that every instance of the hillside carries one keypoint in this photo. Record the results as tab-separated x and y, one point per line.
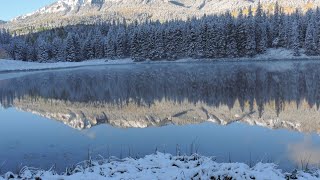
66	12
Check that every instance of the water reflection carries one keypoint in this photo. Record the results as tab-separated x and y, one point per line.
35	141
276	95
305	154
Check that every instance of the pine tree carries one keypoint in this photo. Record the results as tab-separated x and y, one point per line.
98	45
193	42
151	44
283	31
43	50
250	32
110	44
203	39
241	36
310	44
295	38
221	42
178	40
121	43
277	26
20	50
317	33
58	49
77	47
31	52
70	48
260	30
88	50
135	48
230	32
159	45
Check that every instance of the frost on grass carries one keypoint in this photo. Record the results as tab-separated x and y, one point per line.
164	166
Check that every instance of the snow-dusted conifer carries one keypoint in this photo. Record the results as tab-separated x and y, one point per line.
98	45
58	49
88	48
70	48
77	46
159	44
43	50
20	50
241	36
250	32
31	52
230	32
310	44
260	30
121	42
295	38
111	43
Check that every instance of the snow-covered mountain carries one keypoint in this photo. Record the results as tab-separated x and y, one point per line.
64	12
68	7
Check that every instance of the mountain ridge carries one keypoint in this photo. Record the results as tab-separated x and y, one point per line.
69	12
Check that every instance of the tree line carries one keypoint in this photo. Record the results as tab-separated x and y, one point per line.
215	36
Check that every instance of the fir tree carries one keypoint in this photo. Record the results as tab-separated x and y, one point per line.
310	44
70	48
58	49
121	43
43	50
295	39
250	32
110	44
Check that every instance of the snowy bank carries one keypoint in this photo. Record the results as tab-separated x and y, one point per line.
15	65
163	166
269	55
282	54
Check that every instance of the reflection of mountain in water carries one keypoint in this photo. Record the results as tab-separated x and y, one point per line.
277	94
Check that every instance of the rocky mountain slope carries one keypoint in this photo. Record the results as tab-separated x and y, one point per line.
65	12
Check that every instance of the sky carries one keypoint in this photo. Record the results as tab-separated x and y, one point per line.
12	8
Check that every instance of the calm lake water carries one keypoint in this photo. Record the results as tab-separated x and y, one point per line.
236	111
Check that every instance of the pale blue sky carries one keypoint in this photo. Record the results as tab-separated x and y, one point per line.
12	8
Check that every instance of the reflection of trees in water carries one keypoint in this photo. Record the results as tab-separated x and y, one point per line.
212	83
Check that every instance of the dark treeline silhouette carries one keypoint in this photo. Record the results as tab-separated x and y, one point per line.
215	84
215	36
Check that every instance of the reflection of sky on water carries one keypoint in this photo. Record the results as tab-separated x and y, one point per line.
35	141
305	153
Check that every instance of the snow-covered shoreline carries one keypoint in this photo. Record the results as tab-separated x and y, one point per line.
16	65
279	54
163	166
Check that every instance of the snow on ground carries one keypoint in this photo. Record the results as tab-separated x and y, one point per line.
282	54
164	166
270	54
14	65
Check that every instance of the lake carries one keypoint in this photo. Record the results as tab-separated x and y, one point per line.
235	111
